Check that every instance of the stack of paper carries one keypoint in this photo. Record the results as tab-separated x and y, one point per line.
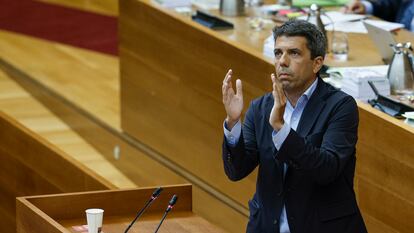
355	81
174	3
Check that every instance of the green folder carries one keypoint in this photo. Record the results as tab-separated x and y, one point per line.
306	3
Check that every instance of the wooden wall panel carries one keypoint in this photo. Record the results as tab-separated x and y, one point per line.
385	170
170	90
392	210
29	165
375	225
19	179
7	212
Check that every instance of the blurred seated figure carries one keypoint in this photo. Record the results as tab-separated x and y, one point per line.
400	11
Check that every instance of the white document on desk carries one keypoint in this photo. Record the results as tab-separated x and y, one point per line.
338	21
335	17
348	27
351	23
388	26
358	26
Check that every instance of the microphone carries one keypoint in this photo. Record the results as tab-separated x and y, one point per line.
154	196
169	208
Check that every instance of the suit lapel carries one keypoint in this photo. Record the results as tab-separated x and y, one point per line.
312	110
268	110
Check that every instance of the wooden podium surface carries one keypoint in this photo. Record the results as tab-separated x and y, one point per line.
59	213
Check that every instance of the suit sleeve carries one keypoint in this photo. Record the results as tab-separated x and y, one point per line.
337	144
386	9
240	160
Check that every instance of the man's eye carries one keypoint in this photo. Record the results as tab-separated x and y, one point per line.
278	53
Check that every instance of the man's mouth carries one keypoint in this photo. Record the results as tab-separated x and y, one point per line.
284	75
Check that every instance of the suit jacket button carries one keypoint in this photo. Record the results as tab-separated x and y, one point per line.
275	222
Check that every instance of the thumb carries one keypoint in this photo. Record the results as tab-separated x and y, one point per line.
239	88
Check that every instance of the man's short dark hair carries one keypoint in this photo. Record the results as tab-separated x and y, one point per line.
315	38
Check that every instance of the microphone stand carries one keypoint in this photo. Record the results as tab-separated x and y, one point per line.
169	208
162	220
149	202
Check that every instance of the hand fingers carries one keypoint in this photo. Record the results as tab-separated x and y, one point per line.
239	88
278	93
274	82
282	97
273	77
228	93
274	91
278	84
226	83
357	8
227	87
227	78
354	8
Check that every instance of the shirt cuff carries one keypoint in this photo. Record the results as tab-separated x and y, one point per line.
232	136
280	136
369	8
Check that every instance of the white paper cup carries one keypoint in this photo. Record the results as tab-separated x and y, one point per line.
94	219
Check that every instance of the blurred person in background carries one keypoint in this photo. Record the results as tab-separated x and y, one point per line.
400	11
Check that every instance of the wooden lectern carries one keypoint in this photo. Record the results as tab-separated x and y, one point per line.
60	212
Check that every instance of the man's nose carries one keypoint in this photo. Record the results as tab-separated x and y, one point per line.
284	60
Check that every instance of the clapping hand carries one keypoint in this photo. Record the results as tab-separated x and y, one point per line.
233	102
276	115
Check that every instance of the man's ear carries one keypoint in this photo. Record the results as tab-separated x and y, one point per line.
317	64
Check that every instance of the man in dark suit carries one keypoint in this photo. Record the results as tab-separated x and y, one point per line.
401	11
302	137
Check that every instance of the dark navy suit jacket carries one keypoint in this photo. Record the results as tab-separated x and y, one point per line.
318	186
401	11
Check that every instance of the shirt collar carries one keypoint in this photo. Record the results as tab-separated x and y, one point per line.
308	93
303	99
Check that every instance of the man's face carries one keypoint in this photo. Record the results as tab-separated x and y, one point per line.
294	67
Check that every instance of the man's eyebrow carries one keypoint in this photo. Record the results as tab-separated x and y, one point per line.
295	50
289	50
